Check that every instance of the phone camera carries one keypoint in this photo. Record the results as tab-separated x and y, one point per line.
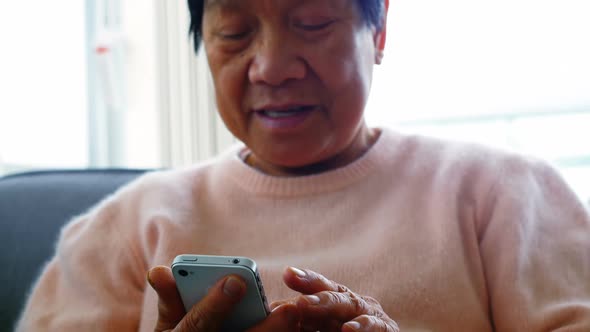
183	273
236	261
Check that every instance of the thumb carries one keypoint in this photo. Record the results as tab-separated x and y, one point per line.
209	314
170	307
206	315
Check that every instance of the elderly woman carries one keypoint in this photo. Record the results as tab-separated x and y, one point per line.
381	231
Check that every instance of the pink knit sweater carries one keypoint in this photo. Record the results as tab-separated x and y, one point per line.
447	236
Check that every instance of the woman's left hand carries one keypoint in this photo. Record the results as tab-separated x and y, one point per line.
328	306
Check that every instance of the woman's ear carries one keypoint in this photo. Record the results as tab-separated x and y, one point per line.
380	36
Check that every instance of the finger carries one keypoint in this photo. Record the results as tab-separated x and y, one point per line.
309	282
276	304
335	306
211	311
370	323
324	325
283	318
170	307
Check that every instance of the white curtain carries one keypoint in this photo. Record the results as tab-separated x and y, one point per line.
190	128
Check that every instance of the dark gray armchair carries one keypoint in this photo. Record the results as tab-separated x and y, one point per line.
33	208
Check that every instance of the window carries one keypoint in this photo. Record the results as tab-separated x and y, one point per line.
43	99
511	74
79	85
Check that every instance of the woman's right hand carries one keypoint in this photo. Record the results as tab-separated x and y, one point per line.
209	313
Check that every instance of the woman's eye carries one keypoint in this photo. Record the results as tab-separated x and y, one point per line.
315	27
234	35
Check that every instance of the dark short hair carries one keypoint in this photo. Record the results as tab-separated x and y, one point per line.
372	11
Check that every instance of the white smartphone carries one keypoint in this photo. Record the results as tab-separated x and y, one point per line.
195	274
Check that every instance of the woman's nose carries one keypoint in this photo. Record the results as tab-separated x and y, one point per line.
276	61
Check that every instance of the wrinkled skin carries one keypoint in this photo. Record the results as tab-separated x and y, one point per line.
268	54
323	305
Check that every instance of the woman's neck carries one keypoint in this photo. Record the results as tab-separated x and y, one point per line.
361	144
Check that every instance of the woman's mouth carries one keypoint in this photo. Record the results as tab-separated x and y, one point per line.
275	114
285	118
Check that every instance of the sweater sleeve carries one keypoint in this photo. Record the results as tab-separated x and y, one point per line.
96	280
536	252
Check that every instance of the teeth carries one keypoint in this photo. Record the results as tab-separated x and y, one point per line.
284	114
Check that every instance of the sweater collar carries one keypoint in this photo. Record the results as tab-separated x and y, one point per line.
256	182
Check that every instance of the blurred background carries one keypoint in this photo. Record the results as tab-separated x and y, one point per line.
114	83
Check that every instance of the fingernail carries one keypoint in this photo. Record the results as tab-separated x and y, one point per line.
298	272
312	299
148	279
354	325
233	286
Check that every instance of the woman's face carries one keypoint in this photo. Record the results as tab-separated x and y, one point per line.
292	77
